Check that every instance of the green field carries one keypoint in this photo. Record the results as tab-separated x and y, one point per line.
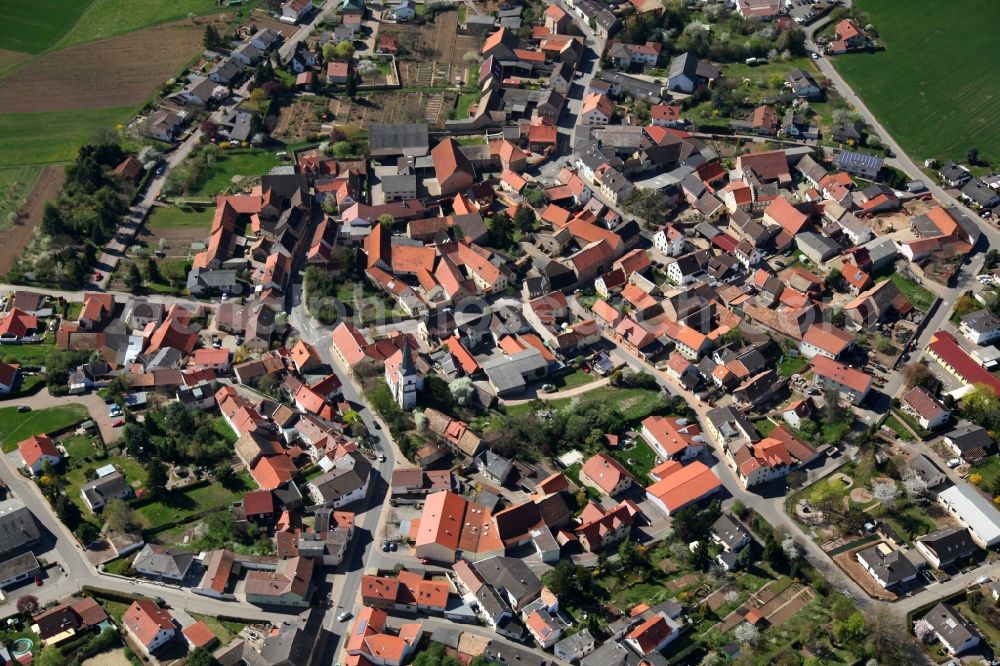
934	87
52	137
252	163
32	27
17	427
180	218
917	295
29	354
15	184
106	18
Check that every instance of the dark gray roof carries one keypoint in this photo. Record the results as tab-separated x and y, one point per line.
17	526
891	568
505	653
291	647
729	531
949	543
969	436
397	139
106	487
950	625
925	468
611	653
510	575
25	563
163	561
349	473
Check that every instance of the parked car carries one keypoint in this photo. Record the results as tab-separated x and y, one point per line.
21	409
98	275
346	615
548	388
982	580
381	457
954	462
118	423
38	581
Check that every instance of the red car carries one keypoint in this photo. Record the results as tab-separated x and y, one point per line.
98	276
118	423
424	560
38	581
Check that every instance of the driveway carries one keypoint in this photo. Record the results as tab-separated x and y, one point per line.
94	404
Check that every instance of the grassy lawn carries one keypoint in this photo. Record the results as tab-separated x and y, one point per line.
920	297
180	218
638	460
911	523
634	403
463	103
29	354
120	566
52	136
224	631
105	18
947	106
989	471
32	27
898	428
79	447
251	163
791	365
15	184
765	426
180	504
769	79
574	379
16	427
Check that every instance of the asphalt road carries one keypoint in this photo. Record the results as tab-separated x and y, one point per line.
345	580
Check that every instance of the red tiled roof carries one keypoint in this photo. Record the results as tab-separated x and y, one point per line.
944	345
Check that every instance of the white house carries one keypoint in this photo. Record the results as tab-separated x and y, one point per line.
293	10
980	327
669	241
150	626
952	629
38	450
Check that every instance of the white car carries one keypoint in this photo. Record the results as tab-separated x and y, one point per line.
346	615
815	56
954	462
982	580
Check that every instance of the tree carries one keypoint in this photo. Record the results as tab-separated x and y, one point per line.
501	230
569	581
790	548
156	479
119	516
650	205
420	421
136	440
918	374
342	149
629	556
774	554
462	390
201	657
86	532
351	87
534	196
747	634
524	219
329	51
343	50
850	629
992	259
27	604
386	219
914	485
833	411
225	475
50	656
738	508
133	277
209	128
923	630
212	39
693	522
972	155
